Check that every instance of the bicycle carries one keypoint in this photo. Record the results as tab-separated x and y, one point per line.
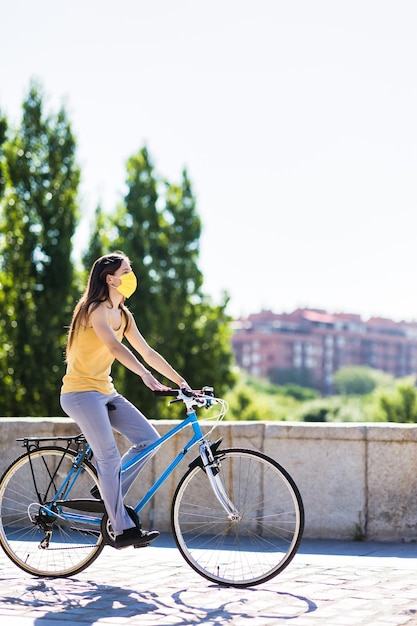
237	516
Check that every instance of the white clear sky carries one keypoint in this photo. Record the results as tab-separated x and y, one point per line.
296	120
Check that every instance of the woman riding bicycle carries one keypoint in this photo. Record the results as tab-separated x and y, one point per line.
99	323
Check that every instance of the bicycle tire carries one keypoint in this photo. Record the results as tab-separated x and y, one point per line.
252	549
72	547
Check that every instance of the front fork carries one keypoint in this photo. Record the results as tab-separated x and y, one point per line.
211	466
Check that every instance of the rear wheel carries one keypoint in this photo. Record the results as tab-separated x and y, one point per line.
51	540
262	536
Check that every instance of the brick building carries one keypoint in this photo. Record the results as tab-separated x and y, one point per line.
317	344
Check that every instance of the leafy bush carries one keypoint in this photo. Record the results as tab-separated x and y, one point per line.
319	414
400	404
257	399
334	409
359	380
299	393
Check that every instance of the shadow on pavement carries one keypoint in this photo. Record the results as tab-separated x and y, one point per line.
87	602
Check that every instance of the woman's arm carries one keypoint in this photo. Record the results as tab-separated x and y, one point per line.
151	356
100	323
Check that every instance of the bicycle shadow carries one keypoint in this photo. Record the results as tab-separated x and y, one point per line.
281	606
68	599
81	598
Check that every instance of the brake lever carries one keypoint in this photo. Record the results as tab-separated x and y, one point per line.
174	401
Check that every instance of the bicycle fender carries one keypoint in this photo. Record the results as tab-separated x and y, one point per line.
198	462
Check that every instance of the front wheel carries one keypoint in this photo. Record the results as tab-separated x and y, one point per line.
247	548
39	536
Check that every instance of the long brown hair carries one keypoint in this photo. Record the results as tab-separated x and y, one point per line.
96	292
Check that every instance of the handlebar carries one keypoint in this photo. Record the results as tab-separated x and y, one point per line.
191	397
188	393
172	393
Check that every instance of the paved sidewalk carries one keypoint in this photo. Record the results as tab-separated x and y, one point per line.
327	583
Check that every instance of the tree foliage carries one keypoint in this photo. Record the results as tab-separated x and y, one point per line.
359	380
400	404
38	215
354	380
157	226
255	398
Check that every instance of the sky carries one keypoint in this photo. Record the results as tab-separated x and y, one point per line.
295	119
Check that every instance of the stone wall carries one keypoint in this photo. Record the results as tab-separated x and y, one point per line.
356	480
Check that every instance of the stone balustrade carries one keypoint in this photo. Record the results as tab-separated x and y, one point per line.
357	481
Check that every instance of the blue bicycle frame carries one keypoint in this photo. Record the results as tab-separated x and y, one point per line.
190	420
65	489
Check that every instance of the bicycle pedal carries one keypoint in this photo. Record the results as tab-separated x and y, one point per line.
144	545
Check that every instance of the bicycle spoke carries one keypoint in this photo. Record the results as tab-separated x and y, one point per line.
264	537
38	542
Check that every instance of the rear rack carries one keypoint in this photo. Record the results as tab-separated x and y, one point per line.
34	442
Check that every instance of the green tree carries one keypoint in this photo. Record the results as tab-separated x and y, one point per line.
4	345
254	398
359	380
400	405
38	219
100	241
157	226
3	135
354	380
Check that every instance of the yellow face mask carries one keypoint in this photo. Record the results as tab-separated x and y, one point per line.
128	284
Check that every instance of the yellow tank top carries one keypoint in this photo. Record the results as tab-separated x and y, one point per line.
89	363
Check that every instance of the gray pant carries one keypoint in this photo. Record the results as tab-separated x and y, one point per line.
89	410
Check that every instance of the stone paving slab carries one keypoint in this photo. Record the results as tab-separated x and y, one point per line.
327	583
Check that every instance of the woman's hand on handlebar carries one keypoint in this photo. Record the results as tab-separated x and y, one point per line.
153	383
186	389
